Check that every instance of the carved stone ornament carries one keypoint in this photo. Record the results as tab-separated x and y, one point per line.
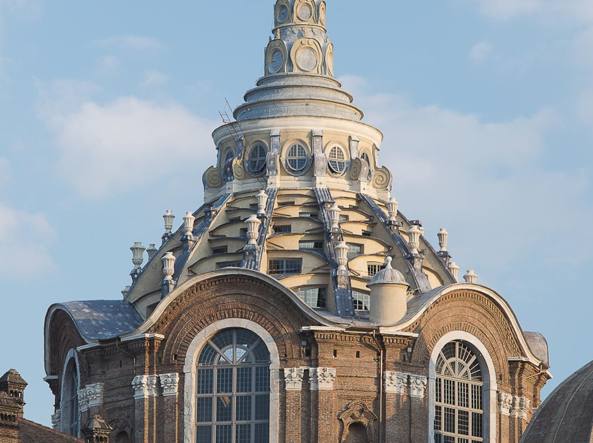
357	412
322	379
418	385
396	382
356	166
273	155
320	158
382	179
306	55
97	430
94	394
145	386
169	384
293	378
212	178
83	403
238	170
505	403
521	406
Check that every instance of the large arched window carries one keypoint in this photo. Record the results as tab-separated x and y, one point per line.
233	389
459	395
69	399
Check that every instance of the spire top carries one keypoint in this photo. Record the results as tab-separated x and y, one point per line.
300	44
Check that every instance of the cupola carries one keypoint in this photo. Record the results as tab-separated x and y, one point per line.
389	296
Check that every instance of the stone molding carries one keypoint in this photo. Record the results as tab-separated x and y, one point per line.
56	419
521	407
293	378
505	403
418	384
395	382
322	379
169	384
513	405
90	396
145	386
404	383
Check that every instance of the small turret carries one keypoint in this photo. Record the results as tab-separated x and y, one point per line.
389	296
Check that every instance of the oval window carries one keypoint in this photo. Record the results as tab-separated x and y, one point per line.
297	158
256	161
337	160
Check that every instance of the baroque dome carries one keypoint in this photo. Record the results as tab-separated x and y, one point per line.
298	191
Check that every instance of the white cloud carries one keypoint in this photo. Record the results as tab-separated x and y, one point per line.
483	180
480	52
126	143
154	79
132	42
25	238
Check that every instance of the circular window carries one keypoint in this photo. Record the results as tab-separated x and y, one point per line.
337	160
282	13
305	12
276	61
297	157
256	160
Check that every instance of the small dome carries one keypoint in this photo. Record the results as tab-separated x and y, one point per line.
387	276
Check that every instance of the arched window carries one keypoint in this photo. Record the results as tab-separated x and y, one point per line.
459	395
256	160
69	400
233	389
297	158
337	160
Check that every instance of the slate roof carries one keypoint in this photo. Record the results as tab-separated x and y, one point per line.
567	414
102	319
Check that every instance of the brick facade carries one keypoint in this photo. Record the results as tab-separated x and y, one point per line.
335	384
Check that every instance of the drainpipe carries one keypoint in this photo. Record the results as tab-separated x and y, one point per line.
380	347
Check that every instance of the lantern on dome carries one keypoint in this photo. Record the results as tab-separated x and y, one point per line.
392	208
188	226
334	217
443	240
454	270
342	255
471	277
262	201
137	258
414	234
253	224
168	219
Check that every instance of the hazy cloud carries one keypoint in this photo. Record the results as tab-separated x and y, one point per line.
131	42
480	52
483	180
154	79
580	10
126	143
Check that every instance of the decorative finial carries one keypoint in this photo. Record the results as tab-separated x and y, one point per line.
342	255
152	250
392	208
137	258
188	226
388	261
253	224
454	270
168	261
168	219
262	201
334	217
443	240
471	277
125	291
414	234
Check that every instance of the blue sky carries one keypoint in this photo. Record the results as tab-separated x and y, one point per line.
106	110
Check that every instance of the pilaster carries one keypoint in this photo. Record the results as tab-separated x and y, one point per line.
293	384
323	404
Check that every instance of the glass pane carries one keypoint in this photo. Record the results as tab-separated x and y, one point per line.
204	434
224	434
244	408
261	433
244	434
449	392
225	380
224	409
205	381
438	418
463	395
476	424
205	410
208	355
449	420
262	379
262	407
463	422
244	379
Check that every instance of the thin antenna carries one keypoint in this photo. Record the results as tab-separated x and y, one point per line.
225	115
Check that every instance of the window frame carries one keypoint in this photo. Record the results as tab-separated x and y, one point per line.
338	165
249	158
305	157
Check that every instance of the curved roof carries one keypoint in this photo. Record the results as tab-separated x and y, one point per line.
567	414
